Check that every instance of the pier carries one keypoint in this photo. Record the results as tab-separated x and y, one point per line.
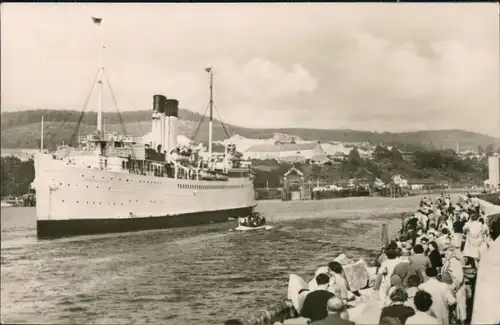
479	282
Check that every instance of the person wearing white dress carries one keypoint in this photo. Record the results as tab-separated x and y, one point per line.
474	238
453	267
386	270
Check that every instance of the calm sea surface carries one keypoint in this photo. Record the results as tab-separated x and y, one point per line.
195	275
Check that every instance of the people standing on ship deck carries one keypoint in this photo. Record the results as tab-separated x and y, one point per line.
442	296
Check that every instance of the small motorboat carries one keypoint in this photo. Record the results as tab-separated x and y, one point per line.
246	228
253	222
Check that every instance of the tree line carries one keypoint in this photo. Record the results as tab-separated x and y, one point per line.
17	176
430	166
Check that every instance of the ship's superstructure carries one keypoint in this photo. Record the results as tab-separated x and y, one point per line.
113	183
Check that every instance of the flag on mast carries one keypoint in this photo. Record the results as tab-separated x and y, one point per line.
97	20
209	69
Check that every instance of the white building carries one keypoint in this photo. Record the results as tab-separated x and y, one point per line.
493	180
287	152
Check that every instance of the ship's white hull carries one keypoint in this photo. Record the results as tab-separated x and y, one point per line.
73	200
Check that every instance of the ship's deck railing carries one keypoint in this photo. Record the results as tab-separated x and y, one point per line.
76	151
120	152
185	169
109	137
116	152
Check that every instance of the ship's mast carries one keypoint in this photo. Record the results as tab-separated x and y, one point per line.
98	21
211	103
41	136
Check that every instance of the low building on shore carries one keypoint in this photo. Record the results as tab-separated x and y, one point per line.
288	152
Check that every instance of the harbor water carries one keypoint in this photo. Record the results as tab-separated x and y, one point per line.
195	275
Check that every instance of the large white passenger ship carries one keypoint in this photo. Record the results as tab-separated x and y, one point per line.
114	183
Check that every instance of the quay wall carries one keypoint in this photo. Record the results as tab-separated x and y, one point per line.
487	285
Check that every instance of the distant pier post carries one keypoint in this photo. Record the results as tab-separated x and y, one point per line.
385	235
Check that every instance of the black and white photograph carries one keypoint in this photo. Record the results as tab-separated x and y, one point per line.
278	163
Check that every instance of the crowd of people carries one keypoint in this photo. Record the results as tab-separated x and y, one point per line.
423	276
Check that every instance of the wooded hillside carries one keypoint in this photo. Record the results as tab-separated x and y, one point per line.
22	130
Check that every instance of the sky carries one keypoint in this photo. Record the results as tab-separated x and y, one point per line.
371	66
